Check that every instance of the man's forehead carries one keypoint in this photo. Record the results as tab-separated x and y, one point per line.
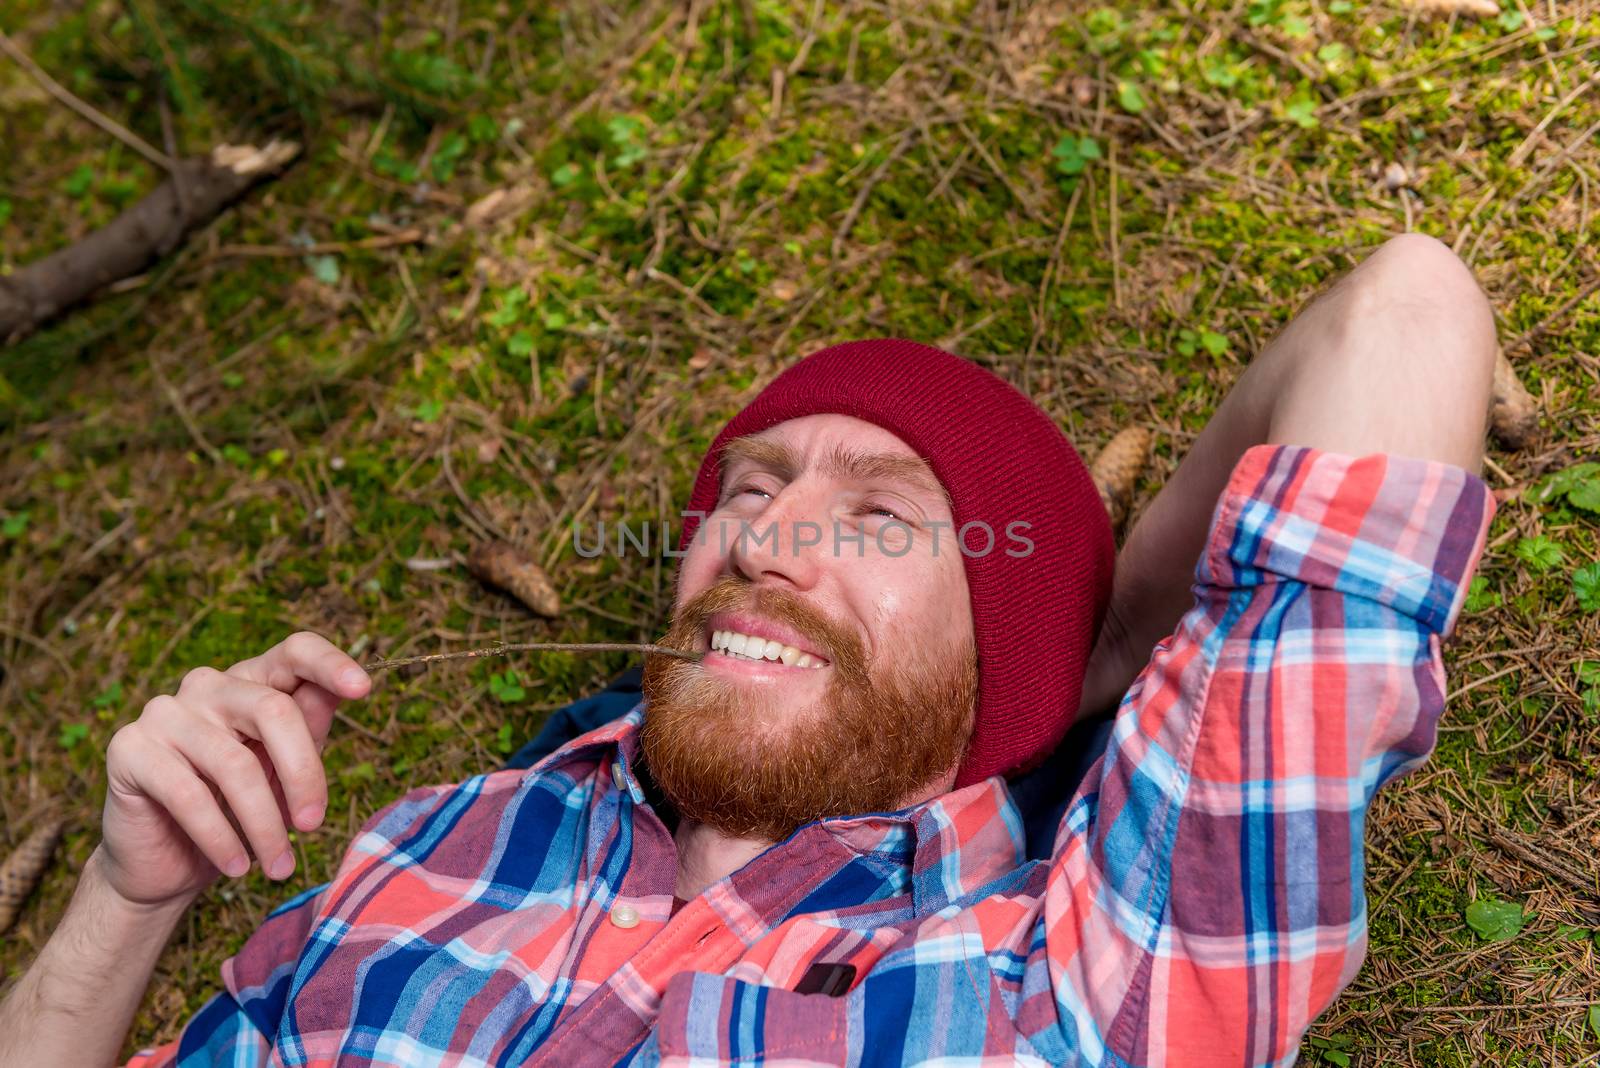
840	446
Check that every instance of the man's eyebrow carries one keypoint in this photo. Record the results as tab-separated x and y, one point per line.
775	456
857	466
840	462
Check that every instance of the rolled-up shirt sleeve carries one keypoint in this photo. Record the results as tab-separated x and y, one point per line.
1206	900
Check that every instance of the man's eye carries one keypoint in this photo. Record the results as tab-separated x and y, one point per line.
884	510
741	490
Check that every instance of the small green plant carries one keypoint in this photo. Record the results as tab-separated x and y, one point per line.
1578	485
1480	598
1192	341
627	135
1495	920
502	738
1586	587
1589	679
72	734
1073	153
1302	111
1539	552
447	155
1129	97
507	687
1333	1049
13	525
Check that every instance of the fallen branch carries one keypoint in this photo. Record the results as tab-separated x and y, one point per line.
24	868
196	192
538	647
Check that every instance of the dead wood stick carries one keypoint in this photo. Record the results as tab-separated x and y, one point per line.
1587	884
526	647
153	227
83	108
24	868
321	248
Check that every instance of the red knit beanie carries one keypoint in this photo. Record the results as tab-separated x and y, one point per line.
1002	460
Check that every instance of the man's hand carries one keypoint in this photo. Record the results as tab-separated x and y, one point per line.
226	765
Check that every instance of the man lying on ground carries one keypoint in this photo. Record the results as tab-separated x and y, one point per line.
803	848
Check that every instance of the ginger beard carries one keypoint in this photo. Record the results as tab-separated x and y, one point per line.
749	761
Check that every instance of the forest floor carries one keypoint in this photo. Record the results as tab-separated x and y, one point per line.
307	413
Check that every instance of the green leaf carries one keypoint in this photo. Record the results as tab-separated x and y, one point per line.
1586	587
1586	496
324	269
14	524
1130	98
1341	7
564	175
1213	342
1594	1020
448	154
109	696
1302	111
72	734
1336	1056
1332	52
236	454
1539	552
1479	597
1589	672
1073	153
5	211
503	738
232	379
1495	920
1510	21
482	128
79	182
1568	933
520	345
430	410
362	772
1294	26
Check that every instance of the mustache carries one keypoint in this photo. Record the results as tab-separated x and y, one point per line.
839	643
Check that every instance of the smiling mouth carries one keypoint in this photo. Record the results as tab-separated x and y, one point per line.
739	646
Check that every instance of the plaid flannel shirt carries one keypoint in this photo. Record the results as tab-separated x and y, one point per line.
1203	902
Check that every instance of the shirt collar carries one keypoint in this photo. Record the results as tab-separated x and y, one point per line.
957	842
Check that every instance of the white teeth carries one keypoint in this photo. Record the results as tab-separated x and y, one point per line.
752	647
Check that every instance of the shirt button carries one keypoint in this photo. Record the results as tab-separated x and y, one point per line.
616	776
625	917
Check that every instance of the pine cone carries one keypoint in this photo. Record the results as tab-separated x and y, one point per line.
23	869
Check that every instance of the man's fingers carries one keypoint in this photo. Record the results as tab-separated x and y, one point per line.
234	770
278	721
317	704
306	656
160	774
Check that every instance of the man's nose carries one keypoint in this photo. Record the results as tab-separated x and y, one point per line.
785	544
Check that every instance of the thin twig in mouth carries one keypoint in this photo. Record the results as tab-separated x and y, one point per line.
525	647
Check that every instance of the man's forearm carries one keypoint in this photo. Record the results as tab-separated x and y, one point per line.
1396	358
75	1003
